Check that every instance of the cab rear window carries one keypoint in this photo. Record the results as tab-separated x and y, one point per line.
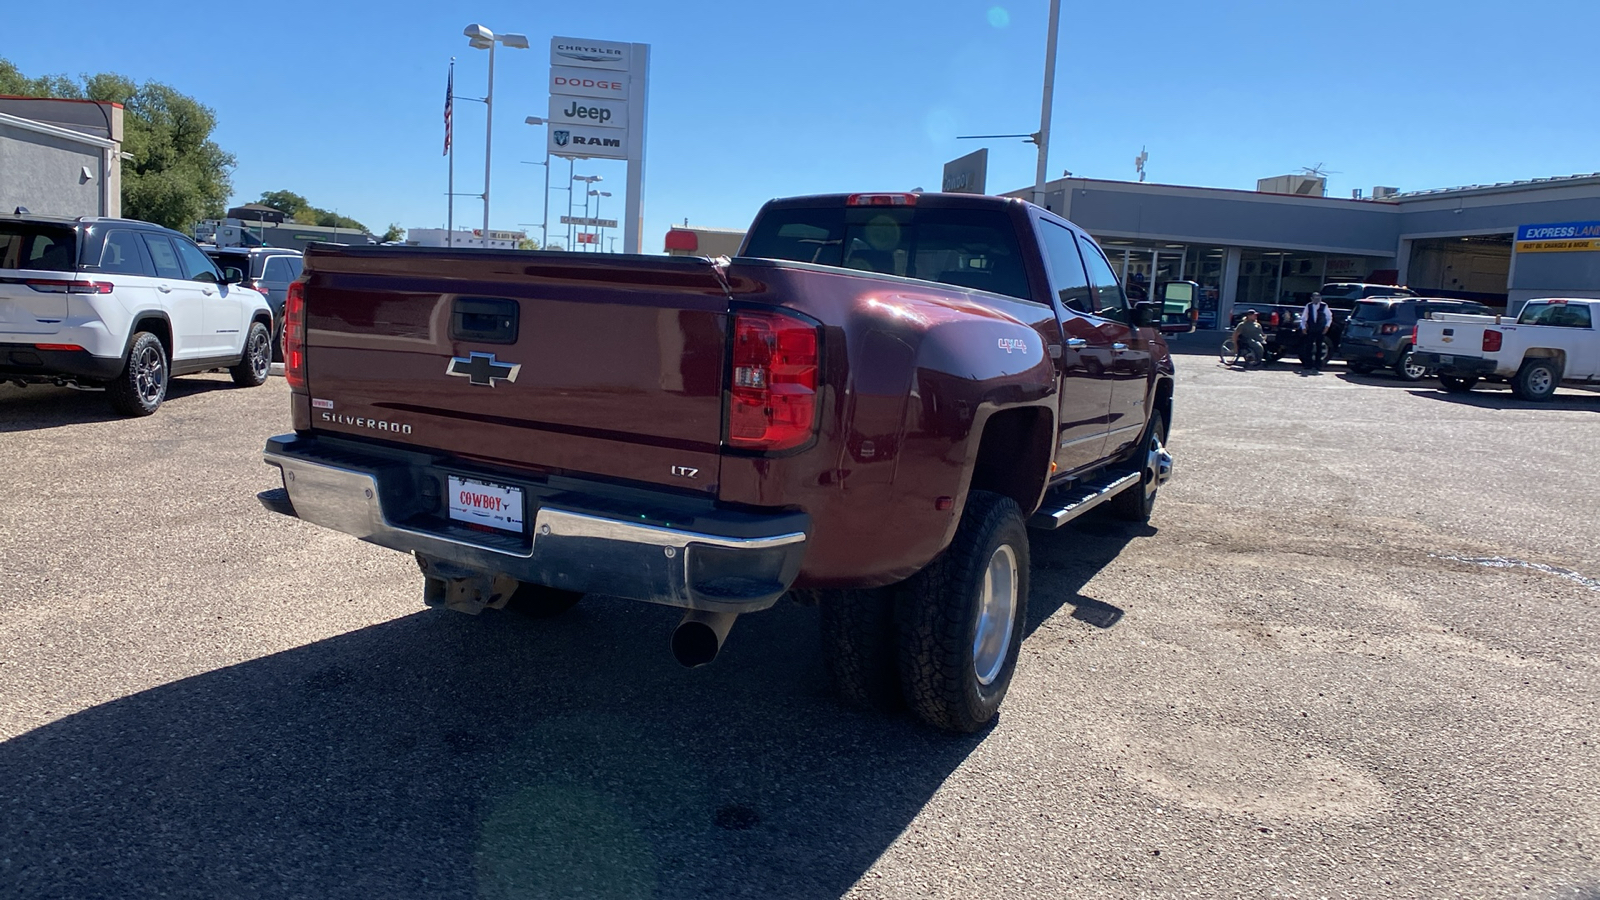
49	248
1373	312
963	247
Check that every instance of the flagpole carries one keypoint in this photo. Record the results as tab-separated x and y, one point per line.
450	144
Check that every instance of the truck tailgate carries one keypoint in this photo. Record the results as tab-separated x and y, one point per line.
1452	333
611	366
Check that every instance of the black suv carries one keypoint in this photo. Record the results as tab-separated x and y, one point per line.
1378	334
269	270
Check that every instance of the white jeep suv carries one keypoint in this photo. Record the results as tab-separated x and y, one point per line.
122	305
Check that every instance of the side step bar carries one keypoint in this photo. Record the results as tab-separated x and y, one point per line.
1061	507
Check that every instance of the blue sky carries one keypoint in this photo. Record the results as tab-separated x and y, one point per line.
342	102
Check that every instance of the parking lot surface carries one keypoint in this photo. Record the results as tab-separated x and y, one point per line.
1352	655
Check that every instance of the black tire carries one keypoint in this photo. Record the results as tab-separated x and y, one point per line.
858	647
536	601
257	360
1457	385
1360	368
142	385
277	342
1537	380
939	610
1136	504
1406	367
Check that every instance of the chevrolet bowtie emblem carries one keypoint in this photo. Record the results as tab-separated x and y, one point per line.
483	368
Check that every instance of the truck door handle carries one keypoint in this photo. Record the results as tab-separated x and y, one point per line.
1119	347
1075	343
163	289
207	291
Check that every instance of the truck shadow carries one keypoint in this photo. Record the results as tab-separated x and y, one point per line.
1500	397
1066	559
42	406
439	755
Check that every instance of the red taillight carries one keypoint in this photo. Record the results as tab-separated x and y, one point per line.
294	337
1492	340
1413	335
57	286
881	200
772	403
1391	328
1272	320
56	347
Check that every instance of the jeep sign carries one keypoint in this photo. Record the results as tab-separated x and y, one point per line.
588	112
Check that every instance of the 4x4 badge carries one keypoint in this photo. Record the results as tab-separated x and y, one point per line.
482	368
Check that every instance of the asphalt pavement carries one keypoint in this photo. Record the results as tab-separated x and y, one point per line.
1352	655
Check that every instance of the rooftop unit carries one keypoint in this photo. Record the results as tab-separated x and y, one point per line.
1301	185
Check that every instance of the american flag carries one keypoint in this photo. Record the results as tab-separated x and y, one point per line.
449	96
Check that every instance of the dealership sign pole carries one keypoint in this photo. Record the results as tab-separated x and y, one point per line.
598	100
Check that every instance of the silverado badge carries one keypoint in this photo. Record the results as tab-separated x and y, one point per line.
483	368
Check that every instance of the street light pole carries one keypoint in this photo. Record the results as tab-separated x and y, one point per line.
544	229
1049	101
484	39
488	142
598	196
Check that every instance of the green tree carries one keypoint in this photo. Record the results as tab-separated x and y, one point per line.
395	233
176	175
287	202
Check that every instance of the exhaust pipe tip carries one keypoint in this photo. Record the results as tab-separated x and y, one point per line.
699	637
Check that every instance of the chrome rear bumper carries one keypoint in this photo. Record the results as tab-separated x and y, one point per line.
572	549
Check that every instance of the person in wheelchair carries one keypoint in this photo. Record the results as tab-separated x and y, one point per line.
1248	339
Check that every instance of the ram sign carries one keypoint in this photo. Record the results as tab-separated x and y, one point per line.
571	140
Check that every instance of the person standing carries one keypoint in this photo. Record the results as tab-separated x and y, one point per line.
1315	320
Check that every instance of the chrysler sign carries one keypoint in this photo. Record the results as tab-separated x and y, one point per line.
590	54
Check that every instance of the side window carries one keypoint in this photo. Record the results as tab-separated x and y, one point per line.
1109	299
277	270
295	264
197	266
1066	268
162	254
121	254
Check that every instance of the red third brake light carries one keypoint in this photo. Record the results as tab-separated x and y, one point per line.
772	404
294	337
881	200
1491	340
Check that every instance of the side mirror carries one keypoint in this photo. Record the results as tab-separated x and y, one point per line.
1146	314
232	275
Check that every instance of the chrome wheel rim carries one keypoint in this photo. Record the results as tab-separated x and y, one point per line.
1413	370
997	614
1539	380
1157	467
150	374
260	353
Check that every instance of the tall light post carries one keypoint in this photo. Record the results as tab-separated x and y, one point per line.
544	230
1049	101
482	38
588	180
597	195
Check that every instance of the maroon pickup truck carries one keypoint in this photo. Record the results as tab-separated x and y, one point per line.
866	408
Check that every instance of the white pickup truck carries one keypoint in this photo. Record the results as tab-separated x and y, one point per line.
1552	342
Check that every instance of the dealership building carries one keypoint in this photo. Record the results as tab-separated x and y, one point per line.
60	157
1499	243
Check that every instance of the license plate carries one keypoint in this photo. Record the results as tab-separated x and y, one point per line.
486	503
1446	360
